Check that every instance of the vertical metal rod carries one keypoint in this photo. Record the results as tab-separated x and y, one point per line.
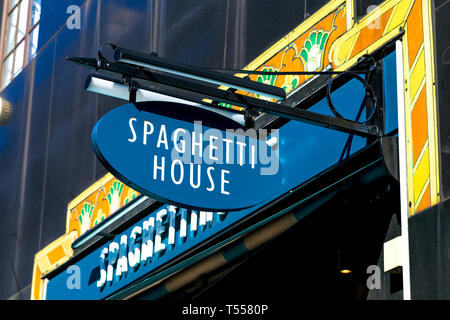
403	171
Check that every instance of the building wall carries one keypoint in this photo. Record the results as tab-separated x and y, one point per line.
45	150
442	49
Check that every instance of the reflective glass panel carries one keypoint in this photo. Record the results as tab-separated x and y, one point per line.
12	3
18	61
11	30
35	12
34	35
7	70
23	19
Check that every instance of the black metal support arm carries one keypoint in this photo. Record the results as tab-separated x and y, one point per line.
156	63
166	82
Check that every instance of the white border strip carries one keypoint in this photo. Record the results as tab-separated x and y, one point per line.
403	171
44	289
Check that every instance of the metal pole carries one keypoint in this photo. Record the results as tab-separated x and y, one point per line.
403	171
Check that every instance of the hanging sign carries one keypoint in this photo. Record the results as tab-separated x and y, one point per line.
187	156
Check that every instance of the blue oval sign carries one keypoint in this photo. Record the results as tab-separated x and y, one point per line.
187	156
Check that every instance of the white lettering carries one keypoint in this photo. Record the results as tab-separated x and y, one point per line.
156	167
197	143
134	252
148	130
241	152
122	262
143	242
210	218
212	147
222	189
202	220
160	247
172	171
101	282
228	143
147	240
130	122
183	225
172	215
182	141
113	255
191	169
162	138
253	156
194	220
208	171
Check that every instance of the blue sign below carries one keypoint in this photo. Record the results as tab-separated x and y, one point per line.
159	238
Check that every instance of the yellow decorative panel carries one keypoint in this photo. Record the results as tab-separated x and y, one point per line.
98	202
48	259
417	74
421	174
420	109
